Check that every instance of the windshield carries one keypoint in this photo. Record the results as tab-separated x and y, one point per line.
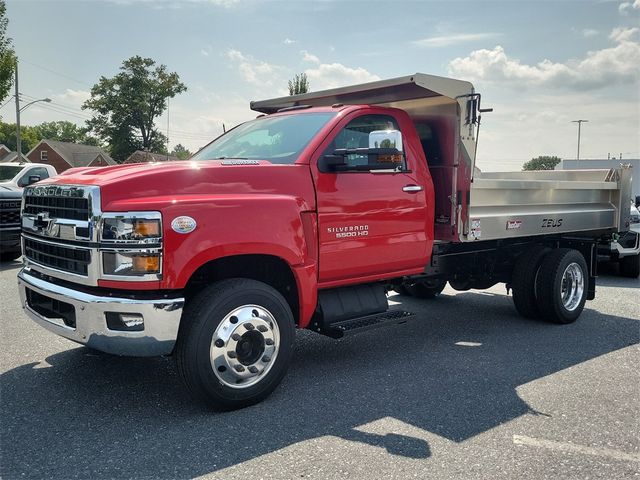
277	139
7	172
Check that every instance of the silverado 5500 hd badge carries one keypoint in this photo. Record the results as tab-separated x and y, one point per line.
349	231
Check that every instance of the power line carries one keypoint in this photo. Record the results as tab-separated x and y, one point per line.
46	69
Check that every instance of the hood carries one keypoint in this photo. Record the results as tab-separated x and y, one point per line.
144	184
10	191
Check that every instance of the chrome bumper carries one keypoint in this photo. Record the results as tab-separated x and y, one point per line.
161	319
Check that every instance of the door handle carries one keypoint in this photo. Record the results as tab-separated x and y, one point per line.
412	188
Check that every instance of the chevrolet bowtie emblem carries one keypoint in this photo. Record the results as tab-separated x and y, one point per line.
41	221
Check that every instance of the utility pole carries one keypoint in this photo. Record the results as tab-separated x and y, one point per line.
579	122
18	140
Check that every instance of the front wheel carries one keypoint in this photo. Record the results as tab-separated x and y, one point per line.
562	286
235	343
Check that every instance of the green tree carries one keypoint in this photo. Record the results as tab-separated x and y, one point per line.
7	55
181	152
64	131
542	163
299	84
126	106
28	135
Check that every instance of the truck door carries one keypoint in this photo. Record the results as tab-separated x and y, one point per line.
371	223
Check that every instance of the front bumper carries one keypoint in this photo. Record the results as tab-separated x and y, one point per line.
161	318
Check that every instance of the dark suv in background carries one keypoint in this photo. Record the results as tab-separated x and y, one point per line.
10	199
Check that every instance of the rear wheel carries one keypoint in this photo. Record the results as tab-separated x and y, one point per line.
235	343
426	288
630	266
562	286
523	281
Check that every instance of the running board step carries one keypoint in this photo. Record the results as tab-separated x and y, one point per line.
368	322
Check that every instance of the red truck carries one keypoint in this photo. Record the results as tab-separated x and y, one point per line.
306	217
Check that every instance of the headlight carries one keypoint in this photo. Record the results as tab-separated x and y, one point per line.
131	245
130	264
137	228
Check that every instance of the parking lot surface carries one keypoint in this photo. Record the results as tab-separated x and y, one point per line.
465	389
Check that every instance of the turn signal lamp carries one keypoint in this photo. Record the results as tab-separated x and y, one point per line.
146	264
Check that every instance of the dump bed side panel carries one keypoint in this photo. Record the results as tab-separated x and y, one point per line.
521	204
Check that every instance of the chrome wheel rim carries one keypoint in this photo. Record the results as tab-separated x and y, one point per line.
244	347
572	286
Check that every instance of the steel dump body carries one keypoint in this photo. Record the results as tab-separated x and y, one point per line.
520	204
486	206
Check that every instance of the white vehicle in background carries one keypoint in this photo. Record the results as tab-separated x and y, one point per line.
24	173
13	178
626	249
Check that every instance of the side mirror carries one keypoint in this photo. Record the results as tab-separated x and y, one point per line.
33	179
386	139
331	163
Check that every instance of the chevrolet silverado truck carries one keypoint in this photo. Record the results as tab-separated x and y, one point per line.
306	217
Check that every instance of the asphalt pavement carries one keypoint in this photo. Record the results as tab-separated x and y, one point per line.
466	389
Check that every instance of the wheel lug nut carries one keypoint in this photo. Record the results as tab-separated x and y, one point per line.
253	369
239	368
219	343
235	337
269	341
266	359
231	354
249	326
262	328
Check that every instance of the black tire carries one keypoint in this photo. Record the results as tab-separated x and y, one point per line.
200	319
551	284
9	256
401	290
523	281
426	289
630	266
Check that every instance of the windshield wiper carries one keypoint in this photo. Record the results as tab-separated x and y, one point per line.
224	157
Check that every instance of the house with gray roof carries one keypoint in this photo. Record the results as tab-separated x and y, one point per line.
6	155
66	155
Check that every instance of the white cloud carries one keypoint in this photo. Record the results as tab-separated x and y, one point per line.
204	53
331	75
625	7
600	68
252	70
70	97
623	34
446	40
589	32
289	41
308	57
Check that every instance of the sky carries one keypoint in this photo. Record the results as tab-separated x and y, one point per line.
539	64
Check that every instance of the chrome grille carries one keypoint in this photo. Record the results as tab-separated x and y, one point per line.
67	259
57	206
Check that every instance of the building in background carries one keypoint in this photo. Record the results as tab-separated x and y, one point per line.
6	155
65	155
